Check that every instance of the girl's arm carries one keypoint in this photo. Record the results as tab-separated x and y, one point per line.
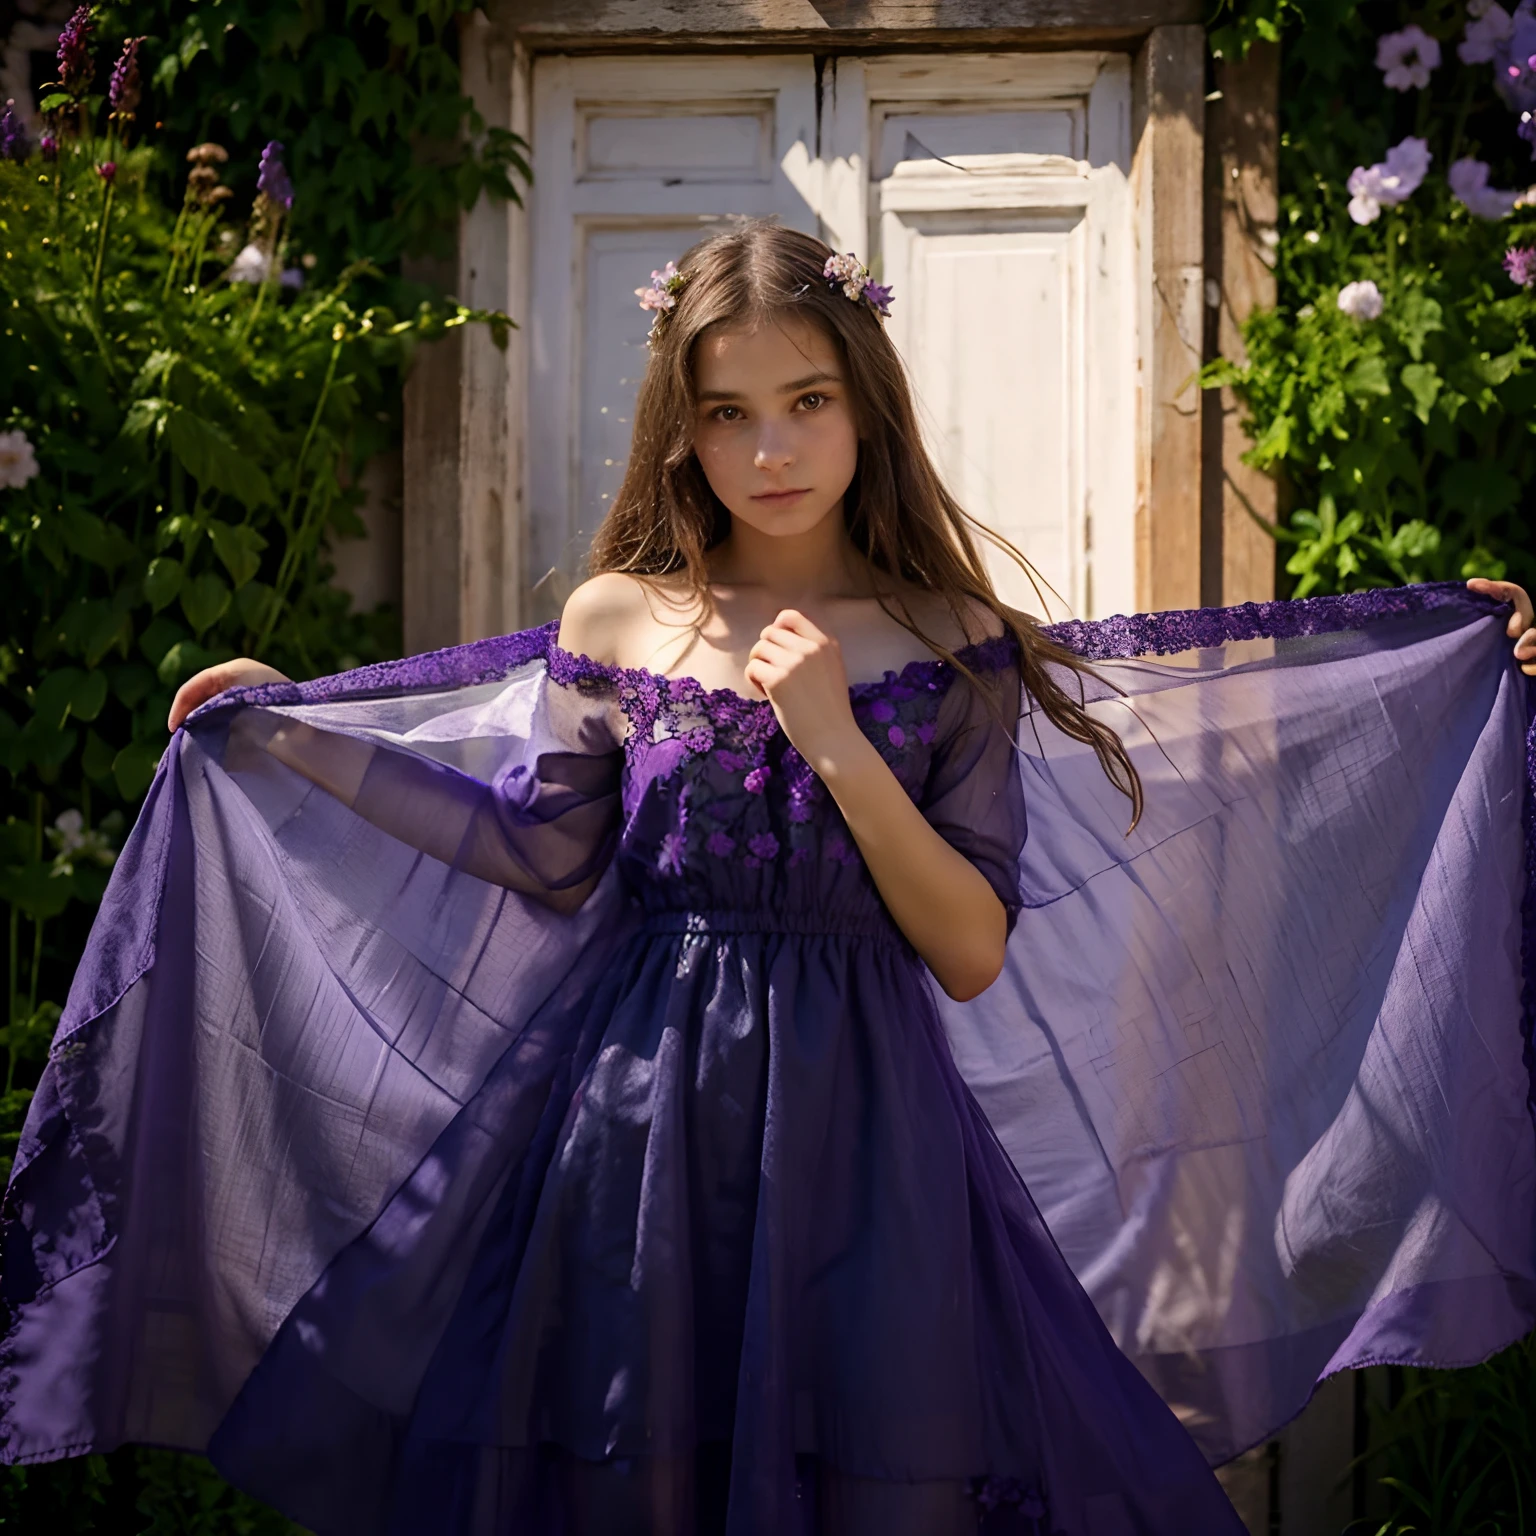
939	899
243	672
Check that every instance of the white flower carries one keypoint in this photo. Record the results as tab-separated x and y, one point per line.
1469	186
76	843
1407	57
18	463
251	266
1361	301
1492	27
1388	182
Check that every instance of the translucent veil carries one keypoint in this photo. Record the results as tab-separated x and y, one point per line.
1261	1061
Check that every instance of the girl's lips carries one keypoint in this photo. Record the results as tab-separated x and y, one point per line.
779	496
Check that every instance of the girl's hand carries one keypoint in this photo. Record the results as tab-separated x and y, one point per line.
212	681
1522	622
801	671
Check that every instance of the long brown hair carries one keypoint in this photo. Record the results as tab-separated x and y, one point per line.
899	515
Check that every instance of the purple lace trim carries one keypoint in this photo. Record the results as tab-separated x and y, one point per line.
724	706
1189	629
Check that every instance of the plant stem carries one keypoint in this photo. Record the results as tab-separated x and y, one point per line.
289	564
101	239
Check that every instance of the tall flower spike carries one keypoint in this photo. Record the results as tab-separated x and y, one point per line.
272	176
14	144
124	92
847	272
76	67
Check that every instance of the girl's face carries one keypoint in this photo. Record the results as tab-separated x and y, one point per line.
775	431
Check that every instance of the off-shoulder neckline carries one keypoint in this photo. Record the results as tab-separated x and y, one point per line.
990	654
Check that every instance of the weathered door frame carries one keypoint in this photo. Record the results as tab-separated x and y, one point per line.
465	528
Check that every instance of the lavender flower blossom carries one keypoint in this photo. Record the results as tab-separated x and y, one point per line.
1520	263
18	460
14	144
1469	186
662	294
107	170
1388	182
76	66
48	147
1486	35
272	178
847	272
1407	57
1510	50
1361	301
125	90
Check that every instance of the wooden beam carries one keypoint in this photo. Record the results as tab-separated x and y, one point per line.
1167	174
430	512
824	24
1242	205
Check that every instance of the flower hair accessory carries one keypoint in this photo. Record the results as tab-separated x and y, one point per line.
852	276
661	296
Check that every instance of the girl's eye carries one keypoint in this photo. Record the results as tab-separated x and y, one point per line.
813	401
726	413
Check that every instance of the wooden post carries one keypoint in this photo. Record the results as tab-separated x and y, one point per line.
1168	176
1242	206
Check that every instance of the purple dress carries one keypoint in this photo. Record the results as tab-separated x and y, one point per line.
495	1097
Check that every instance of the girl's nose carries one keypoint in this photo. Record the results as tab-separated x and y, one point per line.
773	451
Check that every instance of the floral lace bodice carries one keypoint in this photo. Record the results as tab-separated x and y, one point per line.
720	812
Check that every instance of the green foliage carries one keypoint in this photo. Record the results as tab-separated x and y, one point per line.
198	438
365	97
1456	1454
1404	444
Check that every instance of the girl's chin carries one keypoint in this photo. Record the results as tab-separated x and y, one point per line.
783	518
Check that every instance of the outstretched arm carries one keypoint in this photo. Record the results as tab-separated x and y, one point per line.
1522	622
938	898
243	672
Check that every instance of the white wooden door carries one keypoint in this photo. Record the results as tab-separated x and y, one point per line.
633	160
990	190
996	202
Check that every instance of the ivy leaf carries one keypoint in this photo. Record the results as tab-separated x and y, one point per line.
1367	378
1423	382
239	547
96	759
55	101
207	454
252	601
134	767
204	600
35	888
162	581
89	695
91	538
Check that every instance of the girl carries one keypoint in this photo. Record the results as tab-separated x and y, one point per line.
474	1188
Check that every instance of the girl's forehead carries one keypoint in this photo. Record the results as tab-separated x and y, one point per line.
758	354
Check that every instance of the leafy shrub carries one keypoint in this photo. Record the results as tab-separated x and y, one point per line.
1403	442
184	414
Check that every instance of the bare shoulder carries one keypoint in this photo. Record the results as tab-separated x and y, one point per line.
600	614
974	623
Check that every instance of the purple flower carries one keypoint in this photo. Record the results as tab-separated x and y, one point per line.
757	781
76	66
666	284
272	178
1485	35
1407	57
896	736
1520	263
107	170
124	91
763	846
1389	182
878	296
48	147
720	845
1469	186
14	144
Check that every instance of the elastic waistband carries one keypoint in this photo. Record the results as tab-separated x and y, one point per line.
874	926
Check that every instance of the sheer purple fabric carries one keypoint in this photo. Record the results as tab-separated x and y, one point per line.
494	1096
